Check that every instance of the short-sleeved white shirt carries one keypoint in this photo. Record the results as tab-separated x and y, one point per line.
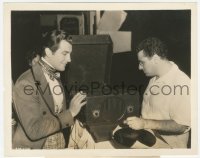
168	98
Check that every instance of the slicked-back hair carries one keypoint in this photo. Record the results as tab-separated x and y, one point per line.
31	54
52	39
152	46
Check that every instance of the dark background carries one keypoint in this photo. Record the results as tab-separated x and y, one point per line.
172	26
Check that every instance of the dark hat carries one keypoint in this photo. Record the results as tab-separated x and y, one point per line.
127	137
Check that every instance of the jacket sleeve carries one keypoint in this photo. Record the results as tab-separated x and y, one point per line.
35	117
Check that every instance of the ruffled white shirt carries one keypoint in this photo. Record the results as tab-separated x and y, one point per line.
56	90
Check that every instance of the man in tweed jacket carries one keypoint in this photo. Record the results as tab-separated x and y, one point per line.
43	114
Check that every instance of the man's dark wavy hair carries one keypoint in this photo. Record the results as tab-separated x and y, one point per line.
52	39
152	46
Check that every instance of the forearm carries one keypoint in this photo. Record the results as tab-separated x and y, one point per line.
35	118
41	128
45	126
164	125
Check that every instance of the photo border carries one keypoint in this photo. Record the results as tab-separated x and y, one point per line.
8	7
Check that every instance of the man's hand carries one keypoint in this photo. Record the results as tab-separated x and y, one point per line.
161	125
76	103
135	123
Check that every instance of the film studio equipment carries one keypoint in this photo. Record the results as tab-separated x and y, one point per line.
91	67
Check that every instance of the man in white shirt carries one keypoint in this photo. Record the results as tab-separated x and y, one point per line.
166	107
166	103
40	101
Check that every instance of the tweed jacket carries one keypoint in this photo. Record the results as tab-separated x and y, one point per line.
38	121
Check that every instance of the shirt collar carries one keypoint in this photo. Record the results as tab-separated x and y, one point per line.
49	69
169	75
43	59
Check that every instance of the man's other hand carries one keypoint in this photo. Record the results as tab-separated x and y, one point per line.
77	102
135	123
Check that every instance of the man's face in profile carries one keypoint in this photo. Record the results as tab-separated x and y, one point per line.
146	64
61	56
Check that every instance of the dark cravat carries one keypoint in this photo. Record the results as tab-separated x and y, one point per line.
52	72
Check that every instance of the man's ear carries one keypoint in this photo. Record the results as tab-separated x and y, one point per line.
48	52
156	58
